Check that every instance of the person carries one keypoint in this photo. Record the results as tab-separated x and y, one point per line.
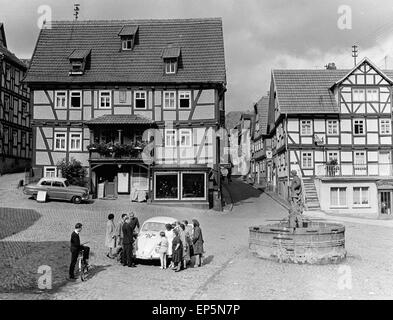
177	251
185	242
197	241
110	236
189	233
162	249
119	238
76	247
134	223
169	235
128	241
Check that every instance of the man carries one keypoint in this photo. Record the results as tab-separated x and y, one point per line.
76	247
134	222
128	242
119	240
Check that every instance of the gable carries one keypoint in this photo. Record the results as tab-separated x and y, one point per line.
365	73
3	40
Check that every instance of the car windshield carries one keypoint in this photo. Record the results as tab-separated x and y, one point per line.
66	183
153	226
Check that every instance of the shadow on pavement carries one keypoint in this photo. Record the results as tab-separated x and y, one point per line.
208	259
241	191
13	220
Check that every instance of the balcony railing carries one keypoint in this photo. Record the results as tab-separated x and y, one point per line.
348	170
107	152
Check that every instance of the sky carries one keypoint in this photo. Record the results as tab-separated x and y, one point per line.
259	35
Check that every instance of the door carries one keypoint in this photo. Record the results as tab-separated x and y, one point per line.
58	191
385	200
384	163
123	179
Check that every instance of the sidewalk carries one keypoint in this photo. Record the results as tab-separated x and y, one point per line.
335	218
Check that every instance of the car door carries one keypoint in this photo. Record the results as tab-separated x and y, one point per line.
58	190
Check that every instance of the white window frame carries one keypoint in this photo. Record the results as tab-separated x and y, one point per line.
362	189
80	96
169	93
50	168
368	94
385	124
339	205
311	162
121	93
57	106
124	43
140	92
56	138
181	185
184	95
167	174
174	134
185	132
357	121
103	94
356	95
80	141
302	129
331	124
170	66
333	152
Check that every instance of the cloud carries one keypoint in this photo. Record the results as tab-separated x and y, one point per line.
259	35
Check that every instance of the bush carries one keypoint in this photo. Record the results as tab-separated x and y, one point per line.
73	171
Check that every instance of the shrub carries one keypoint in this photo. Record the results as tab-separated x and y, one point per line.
73	171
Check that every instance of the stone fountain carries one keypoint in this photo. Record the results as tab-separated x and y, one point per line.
299	240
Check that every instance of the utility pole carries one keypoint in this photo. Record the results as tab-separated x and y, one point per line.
354	53
76	10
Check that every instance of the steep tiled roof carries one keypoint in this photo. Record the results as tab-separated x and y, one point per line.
120	119
306	91
200	40
262	107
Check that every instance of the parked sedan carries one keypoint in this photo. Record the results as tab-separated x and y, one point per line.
58	189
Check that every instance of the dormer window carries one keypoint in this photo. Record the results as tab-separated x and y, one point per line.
170	56
78	61
127	35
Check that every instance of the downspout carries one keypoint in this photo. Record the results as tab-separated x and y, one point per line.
288	155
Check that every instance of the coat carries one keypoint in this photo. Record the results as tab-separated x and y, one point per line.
177	255
75	242
128	234
110	237
197	241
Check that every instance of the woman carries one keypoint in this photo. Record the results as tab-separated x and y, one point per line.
197	241
169	235
110	237
184	237
177	251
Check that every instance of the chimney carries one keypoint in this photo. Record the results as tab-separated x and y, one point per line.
331	66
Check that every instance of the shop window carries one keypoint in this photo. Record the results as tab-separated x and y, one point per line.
166	186
193	186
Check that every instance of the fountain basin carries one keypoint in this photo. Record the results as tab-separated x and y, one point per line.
314	243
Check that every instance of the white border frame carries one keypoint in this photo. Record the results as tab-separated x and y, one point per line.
361	194
189	103
54	140
140	91
327	127
388	120
163	100
312	160
191	138
69	141
364	127
167	174
339	206
50	167
176	138
66	102
81	99
110	99
311	128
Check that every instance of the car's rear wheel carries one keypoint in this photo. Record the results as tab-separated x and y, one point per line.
77	199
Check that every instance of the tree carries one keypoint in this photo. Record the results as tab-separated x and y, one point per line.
73	171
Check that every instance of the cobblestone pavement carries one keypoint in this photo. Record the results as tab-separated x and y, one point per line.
230	271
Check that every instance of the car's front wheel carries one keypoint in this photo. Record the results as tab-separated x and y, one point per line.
77	199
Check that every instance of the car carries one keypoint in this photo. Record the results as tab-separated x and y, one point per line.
149	237
58	189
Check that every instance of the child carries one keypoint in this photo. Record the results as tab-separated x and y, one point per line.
162	249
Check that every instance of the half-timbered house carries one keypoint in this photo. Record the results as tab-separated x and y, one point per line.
137	102
334	127
15	130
